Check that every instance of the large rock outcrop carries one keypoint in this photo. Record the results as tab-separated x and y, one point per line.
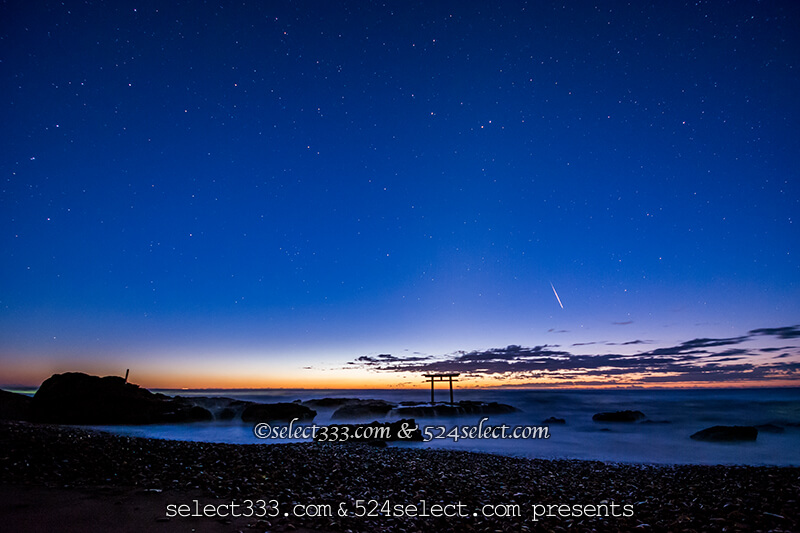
77	398
267	412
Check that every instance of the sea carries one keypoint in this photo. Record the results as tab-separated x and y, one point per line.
672	417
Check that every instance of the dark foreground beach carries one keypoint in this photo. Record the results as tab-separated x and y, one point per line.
56	478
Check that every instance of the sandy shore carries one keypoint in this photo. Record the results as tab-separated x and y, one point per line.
67	479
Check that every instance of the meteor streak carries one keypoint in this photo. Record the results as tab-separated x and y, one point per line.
557	298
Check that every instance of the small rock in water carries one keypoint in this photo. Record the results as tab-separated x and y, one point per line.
726	434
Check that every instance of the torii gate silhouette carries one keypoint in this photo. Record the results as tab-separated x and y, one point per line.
433	378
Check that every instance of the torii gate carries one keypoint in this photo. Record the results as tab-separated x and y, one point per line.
441	377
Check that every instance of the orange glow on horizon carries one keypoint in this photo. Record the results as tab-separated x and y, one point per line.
357	379
340	380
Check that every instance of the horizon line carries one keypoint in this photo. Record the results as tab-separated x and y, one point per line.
22	389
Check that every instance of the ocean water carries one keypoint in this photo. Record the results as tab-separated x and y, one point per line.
680	413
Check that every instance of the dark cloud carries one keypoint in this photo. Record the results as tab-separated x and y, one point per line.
792	367
540	360
387	358
707	343
697	346
623	323
786	332
700	360
732	352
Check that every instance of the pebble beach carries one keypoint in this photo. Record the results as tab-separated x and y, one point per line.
99	471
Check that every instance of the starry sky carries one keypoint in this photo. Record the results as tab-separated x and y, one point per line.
345	194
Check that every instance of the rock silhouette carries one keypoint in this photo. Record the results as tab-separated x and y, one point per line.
77	398
266	412
727	434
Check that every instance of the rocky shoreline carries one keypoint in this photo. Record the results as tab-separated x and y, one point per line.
662	498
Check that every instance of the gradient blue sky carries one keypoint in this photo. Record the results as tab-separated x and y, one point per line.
260	194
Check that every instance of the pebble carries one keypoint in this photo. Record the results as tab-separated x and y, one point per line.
664	498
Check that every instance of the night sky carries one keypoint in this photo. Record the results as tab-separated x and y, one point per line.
343	194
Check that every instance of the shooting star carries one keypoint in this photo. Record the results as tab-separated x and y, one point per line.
557	298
